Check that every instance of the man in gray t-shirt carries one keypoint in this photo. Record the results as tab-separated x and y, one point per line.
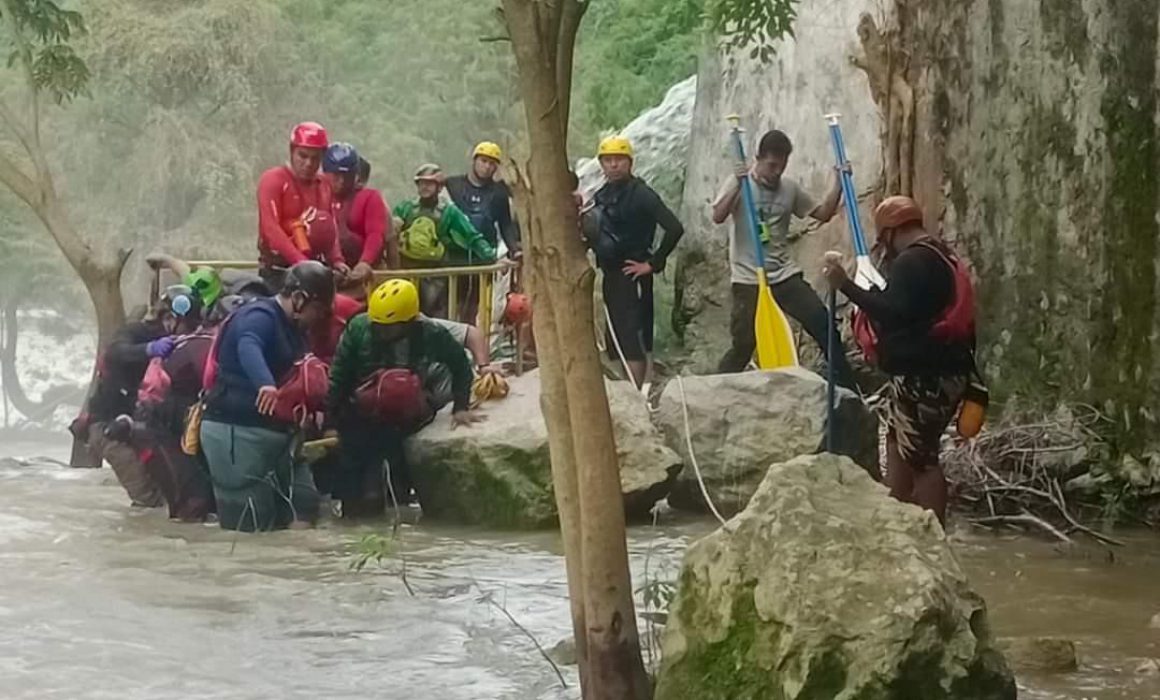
776	199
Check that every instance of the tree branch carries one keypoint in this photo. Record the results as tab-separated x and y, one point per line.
572	14
21	184
17	128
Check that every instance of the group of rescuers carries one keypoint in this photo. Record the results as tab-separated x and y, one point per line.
203	404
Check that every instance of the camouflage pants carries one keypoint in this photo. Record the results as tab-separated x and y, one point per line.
920	409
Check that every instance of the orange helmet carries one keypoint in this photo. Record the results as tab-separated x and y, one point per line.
518	309
897	211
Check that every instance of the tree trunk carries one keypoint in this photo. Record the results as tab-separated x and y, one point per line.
614	669
561	448
9	377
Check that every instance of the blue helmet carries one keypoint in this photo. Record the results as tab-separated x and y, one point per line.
340	158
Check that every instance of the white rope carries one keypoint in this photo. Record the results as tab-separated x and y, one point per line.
616	344
693	457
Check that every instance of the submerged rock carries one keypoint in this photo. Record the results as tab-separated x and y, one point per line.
1040	654
824	587
742	423
498	473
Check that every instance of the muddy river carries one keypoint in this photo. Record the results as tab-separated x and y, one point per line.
98	600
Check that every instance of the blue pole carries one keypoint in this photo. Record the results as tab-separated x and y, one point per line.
847	182
831	353
750	209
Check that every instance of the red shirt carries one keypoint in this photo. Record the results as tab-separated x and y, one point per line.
282	199
324	338
366	226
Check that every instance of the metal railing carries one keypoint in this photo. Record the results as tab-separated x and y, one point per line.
485	274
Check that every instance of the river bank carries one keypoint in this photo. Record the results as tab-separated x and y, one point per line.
95	593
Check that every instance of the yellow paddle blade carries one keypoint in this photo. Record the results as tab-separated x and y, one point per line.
775	346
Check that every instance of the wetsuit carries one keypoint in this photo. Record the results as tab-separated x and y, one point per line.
628	214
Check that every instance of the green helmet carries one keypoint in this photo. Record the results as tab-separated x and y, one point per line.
206	283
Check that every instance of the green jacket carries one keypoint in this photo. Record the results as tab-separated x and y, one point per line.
358	357
464	243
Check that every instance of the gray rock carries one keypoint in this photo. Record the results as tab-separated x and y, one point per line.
824	587
660	139
497	473
1039	654
742	423
564	653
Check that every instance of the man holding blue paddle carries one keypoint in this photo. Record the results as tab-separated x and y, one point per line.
776	199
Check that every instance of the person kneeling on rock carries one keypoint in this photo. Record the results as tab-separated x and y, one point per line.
393	371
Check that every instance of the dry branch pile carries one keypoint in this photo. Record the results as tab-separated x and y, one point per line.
1045	475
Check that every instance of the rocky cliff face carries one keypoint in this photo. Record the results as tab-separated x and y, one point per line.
1034	149
1036	142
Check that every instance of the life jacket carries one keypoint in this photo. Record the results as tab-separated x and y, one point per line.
302	392
956	323
393	396
419	234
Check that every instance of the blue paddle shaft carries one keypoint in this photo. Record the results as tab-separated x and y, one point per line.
831	353
847	182
750	208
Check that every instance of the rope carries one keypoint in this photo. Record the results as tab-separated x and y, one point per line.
616	344
693	457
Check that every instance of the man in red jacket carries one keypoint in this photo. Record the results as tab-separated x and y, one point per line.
364	226
296	218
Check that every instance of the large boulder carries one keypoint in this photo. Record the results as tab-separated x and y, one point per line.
497	473
742	423
824	587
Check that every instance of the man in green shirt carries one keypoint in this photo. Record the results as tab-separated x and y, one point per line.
433	232
393	370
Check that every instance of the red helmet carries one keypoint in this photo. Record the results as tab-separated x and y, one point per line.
518	309
309	135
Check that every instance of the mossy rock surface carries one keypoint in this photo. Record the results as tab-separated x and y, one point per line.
498	474
824	588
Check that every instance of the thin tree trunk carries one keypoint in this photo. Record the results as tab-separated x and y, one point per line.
554	405
614	669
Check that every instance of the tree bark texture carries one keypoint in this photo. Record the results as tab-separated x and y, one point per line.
563	279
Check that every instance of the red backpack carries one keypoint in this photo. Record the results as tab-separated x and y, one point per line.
393	396
155	384
955	324
302	392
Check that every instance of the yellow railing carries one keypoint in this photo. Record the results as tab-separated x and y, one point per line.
486	275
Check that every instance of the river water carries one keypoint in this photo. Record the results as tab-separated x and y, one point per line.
98	600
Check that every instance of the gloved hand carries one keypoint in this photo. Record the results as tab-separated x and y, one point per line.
162	347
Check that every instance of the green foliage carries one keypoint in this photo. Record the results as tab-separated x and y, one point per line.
371	549
629	53
41	32
752	23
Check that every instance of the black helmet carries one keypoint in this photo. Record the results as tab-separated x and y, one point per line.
311	278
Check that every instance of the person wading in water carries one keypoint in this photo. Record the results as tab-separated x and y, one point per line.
920	332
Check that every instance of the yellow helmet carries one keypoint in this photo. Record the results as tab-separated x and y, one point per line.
487	149
393	301
615	146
